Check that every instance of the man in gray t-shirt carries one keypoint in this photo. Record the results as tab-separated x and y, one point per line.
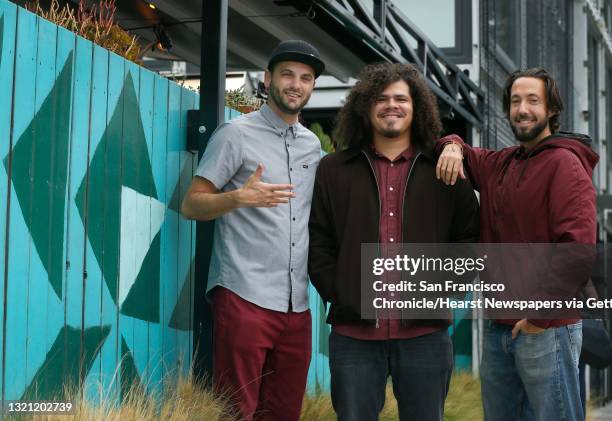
256	179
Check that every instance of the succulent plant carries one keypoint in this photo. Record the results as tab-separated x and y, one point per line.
239	100
96	23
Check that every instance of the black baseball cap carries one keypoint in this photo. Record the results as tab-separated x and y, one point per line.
300	51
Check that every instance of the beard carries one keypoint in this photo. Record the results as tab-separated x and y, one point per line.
276	96
389	132
524	136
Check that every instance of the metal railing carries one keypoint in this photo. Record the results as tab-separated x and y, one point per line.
388	34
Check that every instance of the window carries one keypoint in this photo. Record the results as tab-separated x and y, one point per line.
593	71
369	5
447	23
609	111
505	20
436	18
606	12
593	76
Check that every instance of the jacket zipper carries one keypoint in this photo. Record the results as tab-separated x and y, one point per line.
408	178
379	216
404	200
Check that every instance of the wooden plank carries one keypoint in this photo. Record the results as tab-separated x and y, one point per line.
185	239
171	227
313	367
108	201
18	264
59	144
76	283
41	330
140	346
18	270
89	191
158	163
194	166
8	30
131	88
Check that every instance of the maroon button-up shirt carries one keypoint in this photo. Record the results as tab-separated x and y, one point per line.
391	177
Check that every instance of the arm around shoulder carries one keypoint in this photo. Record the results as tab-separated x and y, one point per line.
477	161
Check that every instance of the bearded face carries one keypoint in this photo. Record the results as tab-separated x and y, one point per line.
290	86
391	112
529	115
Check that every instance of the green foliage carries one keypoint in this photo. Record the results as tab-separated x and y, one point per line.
326	142
96	24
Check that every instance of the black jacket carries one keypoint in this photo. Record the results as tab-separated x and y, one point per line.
345	213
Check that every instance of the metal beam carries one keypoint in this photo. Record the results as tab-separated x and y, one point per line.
380	14
212	113
391	36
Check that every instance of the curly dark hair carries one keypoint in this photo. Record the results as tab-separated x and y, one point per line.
554	103
353	128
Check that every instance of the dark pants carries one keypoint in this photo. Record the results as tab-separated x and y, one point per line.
420	369
261	357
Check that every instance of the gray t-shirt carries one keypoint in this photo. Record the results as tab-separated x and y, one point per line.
261	254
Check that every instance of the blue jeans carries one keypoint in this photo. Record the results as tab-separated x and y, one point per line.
420	369
533	377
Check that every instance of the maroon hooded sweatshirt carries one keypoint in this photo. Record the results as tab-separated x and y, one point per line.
545	195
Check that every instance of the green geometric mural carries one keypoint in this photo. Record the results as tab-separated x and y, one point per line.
63	366
40	175
181	316
177	195
119	229
129	378
142	301
81	152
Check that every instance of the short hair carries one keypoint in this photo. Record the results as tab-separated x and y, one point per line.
554	103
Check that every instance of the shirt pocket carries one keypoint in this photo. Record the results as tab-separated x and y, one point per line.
305	183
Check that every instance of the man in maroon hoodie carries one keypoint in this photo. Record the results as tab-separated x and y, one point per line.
537	192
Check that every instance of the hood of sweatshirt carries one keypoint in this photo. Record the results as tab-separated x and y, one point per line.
578	144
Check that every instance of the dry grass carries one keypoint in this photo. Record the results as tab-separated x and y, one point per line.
463	401
182	400
188	400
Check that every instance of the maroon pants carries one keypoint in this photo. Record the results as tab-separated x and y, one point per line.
260	357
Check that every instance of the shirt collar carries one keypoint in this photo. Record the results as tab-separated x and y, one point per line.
406	154
278	123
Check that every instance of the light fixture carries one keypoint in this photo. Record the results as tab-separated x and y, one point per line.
164	42
152	6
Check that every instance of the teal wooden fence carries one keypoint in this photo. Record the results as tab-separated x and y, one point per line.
95	261
96	264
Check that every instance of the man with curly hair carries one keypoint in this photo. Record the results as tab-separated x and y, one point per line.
381	188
